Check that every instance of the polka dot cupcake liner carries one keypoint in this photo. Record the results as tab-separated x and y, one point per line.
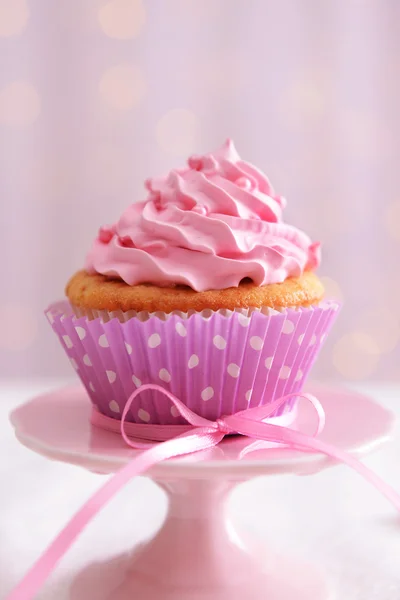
217	363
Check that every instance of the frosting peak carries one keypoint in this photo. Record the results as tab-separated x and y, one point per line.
207	226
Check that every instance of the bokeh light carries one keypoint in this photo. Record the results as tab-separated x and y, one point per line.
123	86
122	19
392	220
332	288
19	104
51	175
18	326
382	326
178	131
13	17
366	137
355	356
304	100
224	72
376	334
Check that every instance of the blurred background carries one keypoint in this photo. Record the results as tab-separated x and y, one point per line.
96	96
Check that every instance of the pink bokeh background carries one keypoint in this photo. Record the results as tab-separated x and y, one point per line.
96	96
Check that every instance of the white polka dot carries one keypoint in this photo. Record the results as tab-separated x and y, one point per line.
111	376
299	375
103	341
313	339
181	329
67	341
62	318
243	320
92	386
174	411
81	332
233	370
114	406
219	342
128	348
269	361
256	342
154	340
193	361
248	395
322	339
143	415
284	373
87	361
288	326
136	381
207	394
74	364
300	339
164	375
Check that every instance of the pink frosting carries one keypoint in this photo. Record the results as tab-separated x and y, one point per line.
207	226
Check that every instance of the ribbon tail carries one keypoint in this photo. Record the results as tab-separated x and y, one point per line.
200	439
297	440
386	490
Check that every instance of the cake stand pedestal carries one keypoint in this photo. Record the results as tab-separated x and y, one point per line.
197	554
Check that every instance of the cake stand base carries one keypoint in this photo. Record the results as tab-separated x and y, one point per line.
197	555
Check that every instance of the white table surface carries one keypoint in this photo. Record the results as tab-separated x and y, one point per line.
333	518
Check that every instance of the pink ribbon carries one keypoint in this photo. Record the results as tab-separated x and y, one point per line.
201	434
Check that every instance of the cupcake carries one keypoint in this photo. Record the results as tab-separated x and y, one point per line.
201	288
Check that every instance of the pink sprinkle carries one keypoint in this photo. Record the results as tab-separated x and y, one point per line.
195	162
244	183
106	234
126	242
200	209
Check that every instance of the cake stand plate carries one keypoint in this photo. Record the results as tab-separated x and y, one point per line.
197	555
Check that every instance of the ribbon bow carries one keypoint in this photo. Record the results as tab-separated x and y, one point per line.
200	434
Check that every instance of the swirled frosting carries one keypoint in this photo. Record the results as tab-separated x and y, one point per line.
208	226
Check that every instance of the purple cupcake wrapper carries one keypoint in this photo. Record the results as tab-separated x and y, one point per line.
217	363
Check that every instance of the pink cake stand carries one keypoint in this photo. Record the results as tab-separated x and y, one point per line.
197	555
